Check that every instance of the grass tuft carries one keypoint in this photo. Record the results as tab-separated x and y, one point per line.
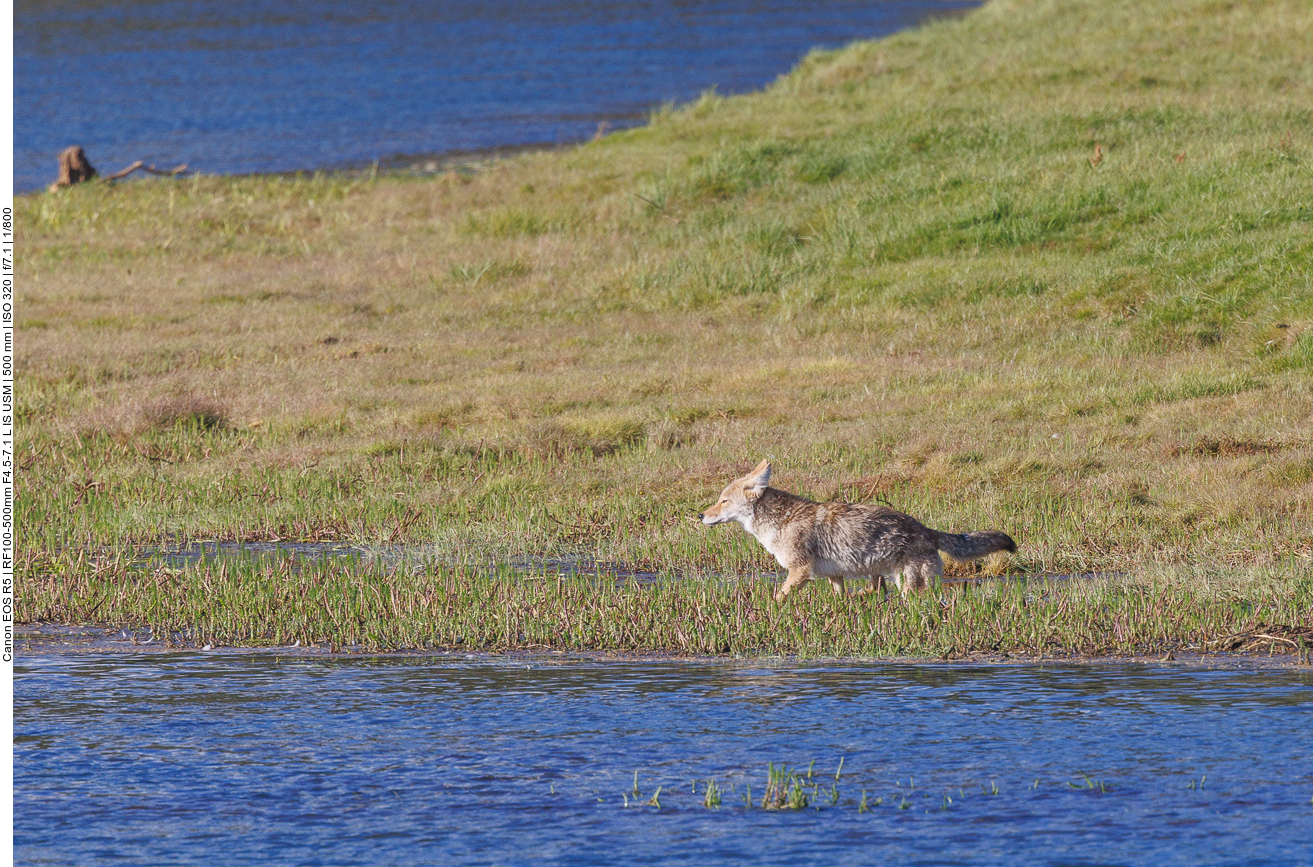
186	410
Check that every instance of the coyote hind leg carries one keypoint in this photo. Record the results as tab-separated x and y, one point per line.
919	574
798	576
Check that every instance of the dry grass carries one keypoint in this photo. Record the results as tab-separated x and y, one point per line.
898	271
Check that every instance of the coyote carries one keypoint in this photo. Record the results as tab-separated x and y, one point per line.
838	540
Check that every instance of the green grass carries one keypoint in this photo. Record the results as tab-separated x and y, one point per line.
900	270
374	607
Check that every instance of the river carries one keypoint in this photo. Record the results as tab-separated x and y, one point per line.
255	758
237	86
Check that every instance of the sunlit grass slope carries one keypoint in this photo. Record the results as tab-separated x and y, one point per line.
1043	269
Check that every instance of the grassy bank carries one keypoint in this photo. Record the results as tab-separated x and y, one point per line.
373	608
1044	269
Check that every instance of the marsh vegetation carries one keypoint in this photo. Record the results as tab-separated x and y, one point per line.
349	605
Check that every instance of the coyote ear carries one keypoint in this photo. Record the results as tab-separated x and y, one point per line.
756	480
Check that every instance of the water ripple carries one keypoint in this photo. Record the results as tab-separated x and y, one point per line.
531	760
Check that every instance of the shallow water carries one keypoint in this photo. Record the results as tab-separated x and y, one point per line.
298	555
415	556
258	86
173	759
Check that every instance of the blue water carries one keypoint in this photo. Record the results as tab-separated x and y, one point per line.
259	759
257	85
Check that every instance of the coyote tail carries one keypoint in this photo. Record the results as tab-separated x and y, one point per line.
970	546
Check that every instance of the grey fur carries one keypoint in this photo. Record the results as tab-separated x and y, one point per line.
844	540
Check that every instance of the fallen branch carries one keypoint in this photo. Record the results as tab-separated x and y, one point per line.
75	168
1267	637
123	173
1254	639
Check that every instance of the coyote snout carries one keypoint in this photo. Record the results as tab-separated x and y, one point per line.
843	540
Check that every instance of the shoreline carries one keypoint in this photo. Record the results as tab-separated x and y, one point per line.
424	166
604	118
65	640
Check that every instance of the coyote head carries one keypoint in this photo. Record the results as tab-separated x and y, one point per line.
737	500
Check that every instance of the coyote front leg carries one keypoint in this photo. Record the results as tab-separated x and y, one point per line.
875	586
798	576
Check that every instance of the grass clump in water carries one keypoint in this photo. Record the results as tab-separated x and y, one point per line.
784	790
1091	785
711	795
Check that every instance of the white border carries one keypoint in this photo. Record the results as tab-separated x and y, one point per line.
7	469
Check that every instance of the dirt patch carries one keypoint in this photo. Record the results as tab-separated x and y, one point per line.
1227	447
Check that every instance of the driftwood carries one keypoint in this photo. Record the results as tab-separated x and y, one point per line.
123	173
75	168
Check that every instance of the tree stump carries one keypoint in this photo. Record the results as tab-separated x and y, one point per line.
74	168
